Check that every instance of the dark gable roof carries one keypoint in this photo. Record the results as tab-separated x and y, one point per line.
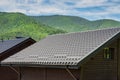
10	47
7	44
63	50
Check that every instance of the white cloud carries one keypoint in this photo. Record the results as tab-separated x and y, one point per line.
90	3
39	7
113	9
4	2
45	10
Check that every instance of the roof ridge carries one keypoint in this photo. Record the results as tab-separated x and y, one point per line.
85	31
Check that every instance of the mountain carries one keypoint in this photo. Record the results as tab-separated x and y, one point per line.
75	24
106	23
18	24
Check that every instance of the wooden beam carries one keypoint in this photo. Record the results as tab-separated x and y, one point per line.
14	70
18	73
118	60
81	73
71	74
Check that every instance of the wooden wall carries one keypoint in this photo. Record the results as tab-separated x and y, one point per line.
47	74
98	68
8	74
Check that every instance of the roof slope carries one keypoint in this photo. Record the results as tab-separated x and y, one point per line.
7	44
65	49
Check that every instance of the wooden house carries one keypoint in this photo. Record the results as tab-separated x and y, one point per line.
90	55
8	48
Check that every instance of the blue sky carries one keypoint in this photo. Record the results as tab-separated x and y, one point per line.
89	9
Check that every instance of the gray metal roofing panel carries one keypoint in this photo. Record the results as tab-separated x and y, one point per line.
7	44
65	49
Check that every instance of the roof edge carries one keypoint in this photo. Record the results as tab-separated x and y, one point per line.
41	66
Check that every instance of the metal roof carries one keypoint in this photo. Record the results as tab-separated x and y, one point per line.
7	44
64	49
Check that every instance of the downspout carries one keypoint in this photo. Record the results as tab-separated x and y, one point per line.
18	73
71	74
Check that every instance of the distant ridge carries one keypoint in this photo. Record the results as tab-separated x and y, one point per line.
73	23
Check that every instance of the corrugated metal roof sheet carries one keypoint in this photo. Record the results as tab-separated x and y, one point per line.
7	44
65	49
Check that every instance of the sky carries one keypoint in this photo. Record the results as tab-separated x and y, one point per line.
89	9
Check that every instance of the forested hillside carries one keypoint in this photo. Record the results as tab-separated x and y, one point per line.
17	24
